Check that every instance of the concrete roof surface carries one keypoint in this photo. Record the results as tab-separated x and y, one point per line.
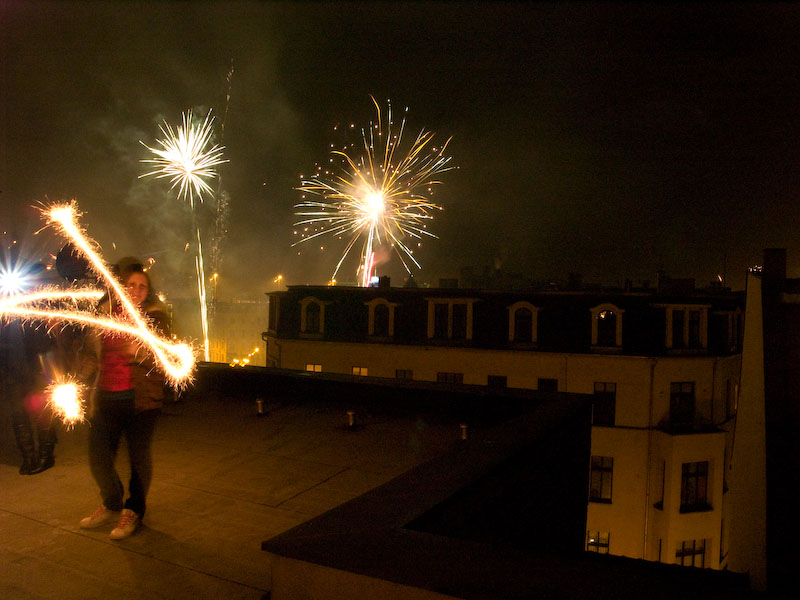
225	480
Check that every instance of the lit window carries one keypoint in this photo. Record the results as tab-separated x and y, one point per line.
313	368
360	371
597	541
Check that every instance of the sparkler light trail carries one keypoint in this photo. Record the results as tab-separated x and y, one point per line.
54	304
188	158
380	195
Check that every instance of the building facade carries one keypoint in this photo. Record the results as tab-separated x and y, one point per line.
663	366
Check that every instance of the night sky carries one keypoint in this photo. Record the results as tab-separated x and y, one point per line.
611	140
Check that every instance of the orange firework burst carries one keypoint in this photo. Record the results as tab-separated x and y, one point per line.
379	194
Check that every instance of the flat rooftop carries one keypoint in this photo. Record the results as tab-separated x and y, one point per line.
225	480
389	497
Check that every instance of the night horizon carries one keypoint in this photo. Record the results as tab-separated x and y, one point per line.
612	141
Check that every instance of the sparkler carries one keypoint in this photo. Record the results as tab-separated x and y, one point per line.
65	401
378	196
188	158
54	304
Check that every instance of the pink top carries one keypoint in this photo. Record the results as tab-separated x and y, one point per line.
116	370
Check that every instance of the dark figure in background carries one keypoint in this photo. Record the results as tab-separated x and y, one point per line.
22	349
127	398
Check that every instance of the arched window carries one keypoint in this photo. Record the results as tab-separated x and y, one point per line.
382	316
523	320
312	318
607	328
523	325
381	320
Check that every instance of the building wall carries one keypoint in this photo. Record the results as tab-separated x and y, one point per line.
643	518
642	403
748	475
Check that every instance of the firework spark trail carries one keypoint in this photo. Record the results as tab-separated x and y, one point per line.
373	198
188	158
176	360
201	294
221	212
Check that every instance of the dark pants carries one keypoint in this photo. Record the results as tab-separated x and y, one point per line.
115	416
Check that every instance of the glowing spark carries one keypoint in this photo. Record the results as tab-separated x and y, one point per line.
242	362
65	401
187	157
380	196
12	280
50	304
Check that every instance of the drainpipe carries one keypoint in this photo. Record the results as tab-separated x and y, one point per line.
713	387
653	362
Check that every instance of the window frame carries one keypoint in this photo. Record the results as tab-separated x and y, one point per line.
692	549
601	476
449	377
602	397
598	541
513	334
694	487
680	392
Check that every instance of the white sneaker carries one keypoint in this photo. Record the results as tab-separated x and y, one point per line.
97	518
127	524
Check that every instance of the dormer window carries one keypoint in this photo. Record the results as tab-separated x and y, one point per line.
607	326
274	312
523	320
381	318
686	326
450	318
312	317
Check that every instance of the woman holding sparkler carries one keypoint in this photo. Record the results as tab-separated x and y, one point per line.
127	398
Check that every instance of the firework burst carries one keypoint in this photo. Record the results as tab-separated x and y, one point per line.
187	157
379	194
